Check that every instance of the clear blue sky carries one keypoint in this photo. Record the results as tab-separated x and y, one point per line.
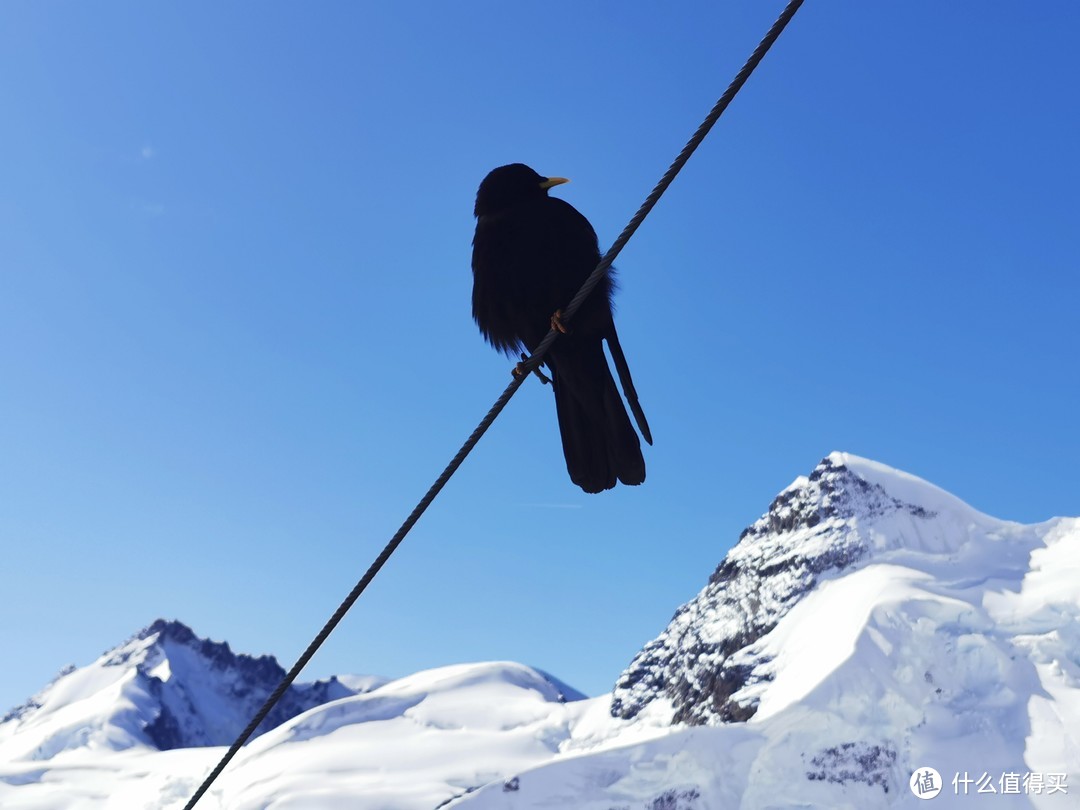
235	341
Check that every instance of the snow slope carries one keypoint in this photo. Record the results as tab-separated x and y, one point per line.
866	625
417	742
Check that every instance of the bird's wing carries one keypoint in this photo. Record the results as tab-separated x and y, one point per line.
497	296
572	253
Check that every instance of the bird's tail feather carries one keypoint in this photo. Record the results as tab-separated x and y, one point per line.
628	384
599	442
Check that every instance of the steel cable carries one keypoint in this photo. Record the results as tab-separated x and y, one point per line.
531	363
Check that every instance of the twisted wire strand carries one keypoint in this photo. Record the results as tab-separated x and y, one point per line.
531	363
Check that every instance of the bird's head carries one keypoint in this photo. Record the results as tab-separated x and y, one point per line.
509	185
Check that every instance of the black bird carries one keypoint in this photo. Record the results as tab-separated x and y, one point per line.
531	254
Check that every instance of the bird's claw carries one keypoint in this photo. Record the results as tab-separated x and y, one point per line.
522	369
557	324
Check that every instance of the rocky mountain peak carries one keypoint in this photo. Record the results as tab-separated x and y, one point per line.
165	687
820	524
832	491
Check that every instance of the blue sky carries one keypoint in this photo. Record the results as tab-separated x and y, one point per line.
235	342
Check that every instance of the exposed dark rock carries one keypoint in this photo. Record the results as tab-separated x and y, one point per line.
675	800
241	681
854	762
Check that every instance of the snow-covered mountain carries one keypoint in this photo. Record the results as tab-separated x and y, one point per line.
868	624
416	742
164	688
709	663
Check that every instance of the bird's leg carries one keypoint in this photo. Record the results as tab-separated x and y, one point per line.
557	324
520	370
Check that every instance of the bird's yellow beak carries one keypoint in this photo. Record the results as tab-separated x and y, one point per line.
553	181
